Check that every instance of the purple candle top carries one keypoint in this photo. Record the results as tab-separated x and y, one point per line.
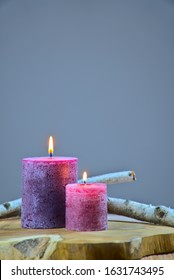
51	159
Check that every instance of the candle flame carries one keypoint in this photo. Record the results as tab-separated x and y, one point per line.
51	146
85	176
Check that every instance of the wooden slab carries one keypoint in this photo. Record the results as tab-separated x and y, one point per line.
122	240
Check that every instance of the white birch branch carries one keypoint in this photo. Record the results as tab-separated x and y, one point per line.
113	178
160	214
10	209
13	208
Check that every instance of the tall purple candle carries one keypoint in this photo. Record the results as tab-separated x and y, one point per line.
43	190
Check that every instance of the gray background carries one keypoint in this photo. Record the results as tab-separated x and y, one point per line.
99	77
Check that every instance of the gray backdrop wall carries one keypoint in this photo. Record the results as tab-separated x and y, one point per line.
98	76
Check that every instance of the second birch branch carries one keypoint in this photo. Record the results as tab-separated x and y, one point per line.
112	178
160	214
13	208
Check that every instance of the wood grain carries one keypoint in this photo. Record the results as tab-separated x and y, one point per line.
122	240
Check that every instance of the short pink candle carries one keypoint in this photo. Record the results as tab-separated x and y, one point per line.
86	207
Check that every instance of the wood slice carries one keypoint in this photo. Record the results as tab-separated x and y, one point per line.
122	240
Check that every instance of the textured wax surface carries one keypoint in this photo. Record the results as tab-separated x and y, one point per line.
43	190
86	207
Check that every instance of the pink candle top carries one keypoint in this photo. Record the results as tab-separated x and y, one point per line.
90	189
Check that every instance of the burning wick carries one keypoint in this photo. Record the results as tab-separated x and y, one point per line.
84	177
51	146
